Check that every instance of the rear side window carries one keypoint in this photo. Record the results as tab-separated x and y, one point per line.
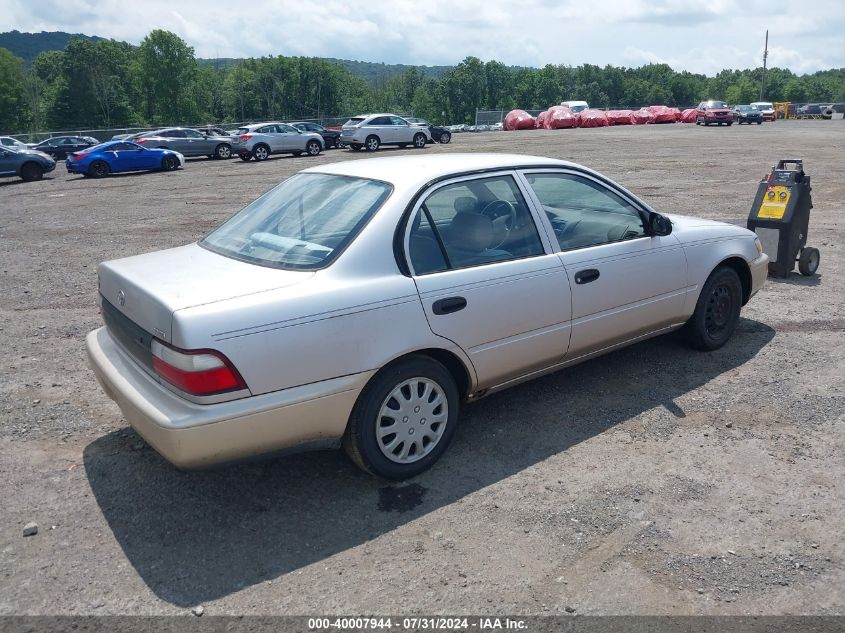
355	121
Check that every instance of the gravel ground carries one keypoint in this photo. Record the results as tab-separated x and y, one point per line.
655	480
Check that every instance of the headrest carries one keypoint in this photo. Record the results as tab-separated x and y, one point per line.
464	204
471	232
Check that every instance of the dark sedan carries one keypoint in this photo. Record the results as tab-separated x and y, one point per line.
59	147
331	138
747	114
439	134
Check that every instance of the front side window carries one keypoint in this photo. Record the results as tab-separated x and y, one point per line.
395	120
192	134
303	223
584	212
469	223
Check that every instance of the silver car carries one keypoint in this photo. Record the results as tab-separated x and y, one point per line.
362	302
188	142
260	140
371	131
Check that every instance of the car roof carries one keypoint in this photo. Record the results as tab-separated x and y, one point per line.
415	171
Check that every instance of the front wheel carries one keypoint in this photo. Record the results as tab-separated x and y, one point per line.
223	151
31	172
313	148
404	419
420	140
169	163
338	144
445	137
717	310
356	147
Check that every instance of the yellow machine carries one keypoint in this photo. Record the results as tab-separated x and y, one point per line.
782	109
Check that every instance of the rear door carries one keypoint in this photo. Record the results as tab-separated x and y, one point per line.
487	279
625	282
195	144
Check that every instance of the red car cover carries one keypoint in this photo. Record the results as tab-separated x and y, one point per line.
593	118
688	115
641	117
560	118
619	117
541	118
663	114
518	120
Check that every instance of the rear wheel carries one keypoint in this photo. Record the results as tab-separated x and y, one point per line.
313	148
356	147
372	143
404	419
260	152
717	310
223	151
808	261
420	140
31	171
338	144
169	163
98	169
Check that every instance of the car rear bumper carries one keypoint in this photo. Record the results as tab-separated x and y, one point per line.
192	435
759	272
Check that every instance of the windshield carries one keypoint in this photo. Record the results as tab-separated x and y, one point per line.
715	104
578	108
303	223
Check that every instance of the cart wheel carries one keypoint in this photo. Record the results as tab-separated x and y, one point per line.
808	261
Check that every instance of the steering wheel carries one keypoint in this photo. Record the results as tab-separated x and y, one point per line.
503	215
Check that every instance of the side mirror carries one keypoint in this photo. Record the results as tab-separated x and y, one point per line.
659	224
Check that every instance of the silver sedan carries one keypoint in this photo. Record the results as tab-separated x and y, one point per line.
362	302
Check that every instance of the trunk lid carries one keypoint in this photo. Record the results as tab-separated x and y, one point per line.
149	288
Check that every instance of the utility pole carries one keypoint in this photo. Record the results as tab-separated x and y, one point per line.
765	56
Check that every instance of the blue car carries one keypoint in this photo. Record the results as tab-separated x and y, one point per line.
118	156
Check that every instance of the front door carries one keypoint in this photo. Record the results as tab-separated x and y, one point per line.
485	278
625	282
8	164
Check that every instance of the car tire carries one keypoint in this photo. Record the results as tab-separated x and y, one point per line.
99	169
407	386
338	144
372	143
420	140
169	163
31	172
245	156
808	261
758	123
313	148
223	151
445	138
729	124
297	153
716	311
261	152
355	147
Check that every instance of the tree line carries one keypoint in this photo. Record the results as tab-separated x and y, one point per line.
107	83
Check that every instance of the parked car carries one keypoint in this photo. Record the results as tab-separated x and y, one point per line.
747	114
713	111
362	302
113	157
59	147
260	140
10	141
437	133
189	142
27	164
331	138
134	135
371	131
575	106
810	110
766	108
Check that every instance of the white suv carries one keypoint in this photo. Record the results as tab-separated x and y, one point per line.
371	131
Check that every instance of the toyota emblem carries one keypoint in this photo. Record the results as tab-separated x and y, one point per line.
121	298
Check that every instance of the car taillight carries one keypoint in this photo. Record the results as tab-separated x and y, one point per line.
198	372
245	137
78	155
141	141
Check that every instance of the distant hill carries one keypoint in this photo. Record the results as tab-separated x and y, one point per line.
27	46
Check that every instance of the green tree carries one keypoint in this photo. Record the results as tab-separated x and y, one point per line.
166	69
12	97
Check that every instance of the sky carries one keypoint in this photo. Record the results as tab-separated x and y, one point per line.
702	36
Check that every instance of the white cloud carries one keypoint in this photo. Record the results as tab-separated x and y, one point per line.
701	38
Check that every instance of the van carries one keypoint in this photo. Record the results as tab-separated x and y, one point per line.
575	106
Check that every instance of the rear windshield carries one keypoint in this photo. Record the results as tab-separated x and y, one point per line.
304	223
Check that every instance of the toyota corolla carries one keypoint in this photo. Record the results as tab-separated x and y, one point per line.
362	303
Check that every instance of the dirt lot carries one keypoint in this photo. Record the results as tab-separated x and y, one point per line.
653	480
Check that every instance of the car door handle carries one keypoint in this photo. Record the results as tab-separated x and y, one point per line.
586	276
449	305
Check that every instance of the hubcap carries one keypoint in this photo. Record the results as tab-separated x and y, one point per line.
224	152
412	420
261	153
719	311
372	144
313	149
